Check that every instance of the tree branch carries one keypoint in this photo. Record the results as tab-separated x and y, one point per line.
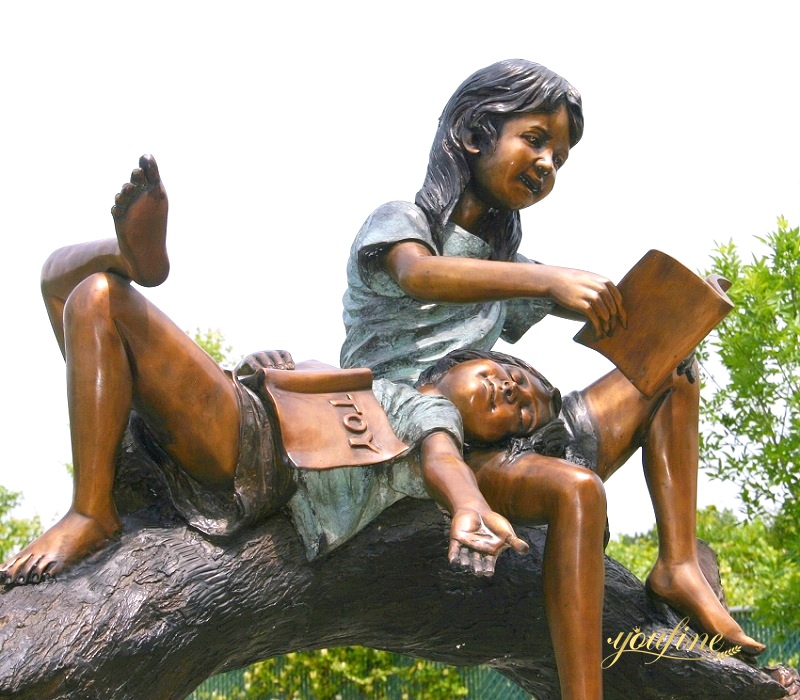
155	614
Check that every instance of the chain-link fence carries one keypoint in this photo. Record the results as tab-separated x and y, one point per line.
783	644
483	683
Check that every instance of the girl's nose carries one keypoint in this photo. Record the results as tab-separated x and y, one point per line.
544	165
507	388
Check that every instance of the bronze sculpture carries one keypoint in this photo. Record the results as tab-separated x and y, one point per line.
444	273
573	552
213	436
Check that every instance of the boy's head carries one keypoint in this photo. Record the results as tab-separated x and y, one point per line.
499	396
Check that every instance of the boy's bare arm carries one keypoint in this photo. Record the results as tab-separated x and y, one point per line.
477	534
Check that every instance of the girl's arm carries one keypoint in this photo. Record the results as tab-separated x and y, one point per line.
477	534
467	280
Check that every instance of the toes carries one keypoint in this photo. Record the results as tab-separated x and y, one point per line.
29	572
148	164
12	570
125	196
138	177
50	571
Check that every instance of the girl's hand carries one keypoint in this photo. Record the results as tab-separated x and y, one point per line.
591	295
478	537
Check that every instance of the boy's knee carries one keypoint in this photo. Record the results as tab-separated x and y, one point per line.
92	294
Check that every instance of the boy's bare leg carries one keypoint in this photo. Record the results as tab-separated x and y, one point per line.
571	500
138	252
666	427
108	329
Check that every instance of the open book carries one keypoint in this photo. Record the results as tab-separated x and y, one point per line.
670	310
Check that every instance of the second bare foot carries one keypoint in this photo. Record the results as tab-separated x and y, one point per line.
70	540
140	218
686	590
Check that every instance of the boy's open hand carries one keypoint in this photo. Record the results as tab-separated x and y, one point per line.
477	538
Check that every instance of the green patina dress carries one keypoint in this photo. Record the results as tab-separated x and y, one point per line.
397	336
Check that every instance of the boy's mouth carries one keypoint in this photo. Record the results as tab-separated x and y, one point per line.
534	186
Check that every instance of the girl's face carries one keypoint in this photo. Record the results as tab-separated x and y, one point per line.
522	168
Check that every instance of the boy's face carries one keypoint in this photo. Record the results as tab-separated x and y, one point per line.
522	168
497	401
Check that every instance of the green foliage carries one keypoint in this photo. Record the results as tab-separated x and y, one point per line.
751	418
751	426
751	562
635	552
15	533
213	342
755	565
373	674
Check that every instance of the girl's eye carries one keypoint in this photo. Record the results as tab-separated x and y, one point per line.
558	161
534	141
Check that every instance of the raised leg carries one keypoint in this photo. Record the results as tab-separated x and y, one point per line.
138	252
571	500
666	428
121	353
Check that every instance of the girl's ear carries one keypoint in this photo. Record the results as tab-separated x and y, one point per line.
468	137
471	141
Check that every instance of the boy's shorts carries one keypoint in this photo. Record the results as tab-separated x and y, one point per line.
262	484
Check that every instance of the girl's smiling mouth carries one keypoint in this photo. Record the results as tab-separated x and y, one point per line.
531	184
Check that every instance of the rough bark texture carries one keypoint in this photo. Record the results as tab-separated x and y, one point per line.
164	608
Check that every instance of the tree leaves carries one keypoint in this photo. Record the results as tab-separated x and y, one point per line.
751	413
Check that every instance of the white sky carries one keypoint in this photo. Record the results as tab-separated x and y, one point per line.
277	131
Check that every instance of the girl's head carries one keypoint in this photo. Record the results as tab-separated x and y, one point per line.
474	115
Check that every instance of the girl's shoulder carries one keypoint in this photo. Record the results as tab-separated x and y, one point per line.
399	211
393	222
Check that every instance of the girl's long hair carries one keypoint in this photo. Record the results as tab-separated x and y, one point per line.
477	109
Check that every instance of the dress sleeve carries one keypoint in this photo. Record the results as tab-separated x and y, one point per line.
391	223
521	314
414	416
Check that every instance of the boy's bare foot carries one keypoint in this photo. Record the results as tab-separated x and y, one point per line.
71	539
686	590
140	218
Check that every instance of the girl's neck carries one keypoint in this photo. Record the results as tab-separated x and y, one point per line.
469	212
